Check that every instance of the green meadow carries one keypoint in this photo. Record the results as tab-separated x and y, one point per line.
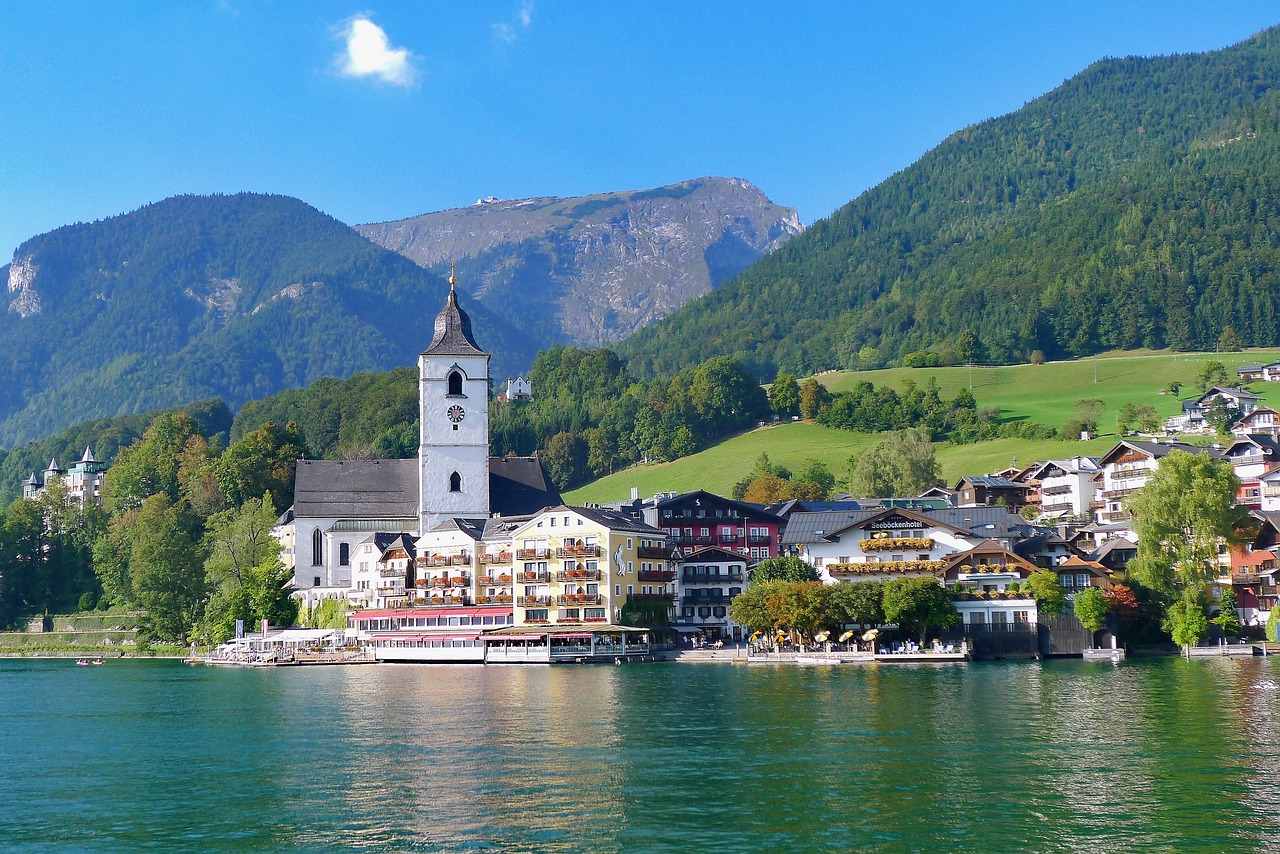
1044	393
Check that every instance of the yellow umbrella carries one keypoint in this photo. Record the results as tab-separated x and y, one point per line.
871	635
822	636
844	637
755	635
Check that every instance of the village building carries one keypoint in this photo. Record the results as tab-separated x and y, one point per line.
1196	411
699	519
986	490
1254	458
82	483
1267	373
1064	488
708	580
1125	469
1263	420
985	581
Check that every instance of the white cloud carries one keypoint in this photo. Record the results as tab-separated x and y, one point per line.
508	31
368	53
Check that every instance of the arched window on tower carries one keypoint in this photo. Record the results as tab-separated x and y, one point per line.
317	546
455	482
344	554
455	383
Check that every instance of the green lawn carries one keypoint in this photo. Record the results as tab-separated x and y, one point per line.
1044	393
1047	393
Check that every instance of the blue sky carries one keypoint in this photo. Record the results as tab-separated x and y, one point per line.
382	111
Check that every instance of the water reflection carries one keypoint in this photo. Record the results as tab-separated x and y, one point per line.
1063	756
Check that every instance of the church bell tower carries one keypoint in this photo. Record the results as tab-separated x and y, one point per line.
453	401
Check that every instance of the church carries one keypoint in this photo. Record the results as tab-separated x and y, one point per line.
339	504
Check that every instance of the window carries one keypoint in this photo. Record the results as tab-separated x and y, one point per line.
317	548
1082	580
617	590
593	613
455	482
344	554
718	611
455	384
316	583
631	589
629	542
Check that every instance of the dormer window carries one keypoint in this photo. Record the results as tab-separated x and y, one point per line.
455	383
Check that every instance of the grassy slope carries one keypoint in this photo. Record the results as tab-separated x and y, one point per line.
1044	393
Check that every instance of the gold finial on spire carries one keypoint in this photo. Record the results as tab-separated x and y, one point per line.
452	281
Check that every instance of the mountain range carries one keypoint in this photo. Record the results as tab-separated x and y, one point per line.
1136	205
235	297
591	270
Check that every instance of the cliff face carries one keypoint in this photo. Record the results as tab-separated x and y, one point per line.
593	269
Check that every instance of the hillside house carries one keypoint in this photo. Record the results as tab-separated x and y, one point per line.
1126	468
1196	410
1261	421
82	482
1066	487
991	491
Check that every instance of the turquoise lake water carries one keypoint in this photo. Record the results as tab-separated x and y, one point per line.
1156	755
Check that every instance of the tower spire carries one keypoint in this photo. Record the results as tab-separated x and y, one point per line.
452	280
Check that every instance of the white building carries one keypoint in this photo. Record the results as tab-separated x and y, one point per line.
1126	468
1067	487
83	482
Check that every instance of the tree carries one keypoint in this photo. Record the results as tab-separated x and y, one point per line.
1047	592
901	464
1183	516
566	459
1212	374
966	347
1228	619
1148	418
150	465
262	463
166	568
815	472
1185	620
767	606
1122	602
329	614
1127	416
814	397
1229	341
1091	608
859	602
767	489
784	395
244	571
1037	357
791	569
1088	411
918	604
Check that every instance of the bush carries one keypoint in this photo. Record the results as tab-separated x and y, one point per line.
87	600
104	603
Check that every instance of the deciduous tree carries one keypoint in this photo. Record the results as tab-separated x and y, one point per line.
918	604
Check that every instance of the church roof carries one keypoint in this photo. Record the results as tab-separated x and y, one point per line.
388	489
336	489
519	486
453	330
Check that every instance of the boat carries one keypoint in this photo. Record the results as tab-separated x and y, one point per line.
83	662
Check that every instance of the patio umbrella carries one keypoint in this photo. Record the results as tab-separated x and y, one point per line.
822	636
844	637
871	635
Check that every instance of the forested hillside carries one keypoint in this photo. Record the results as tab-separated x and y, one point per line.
1135	205
234	297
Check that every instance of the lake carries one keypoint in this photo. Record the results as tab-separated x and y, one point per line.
1161	754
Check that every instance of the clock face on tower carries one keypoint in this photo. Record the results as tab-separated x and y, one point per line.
456	413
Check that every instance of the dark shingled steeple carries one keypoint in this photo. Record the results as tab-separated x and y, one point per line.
453	329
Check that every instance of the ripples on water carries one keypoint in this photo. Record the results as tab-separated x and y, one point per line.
1063	756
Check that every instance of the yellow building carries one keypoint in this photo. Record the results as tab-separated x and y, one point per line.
585	565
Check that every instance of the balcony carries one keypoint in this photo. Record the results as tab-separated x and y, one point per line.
532	554
886	566
692	540
578	551
494	580
652	597
730	539
579	599
499	599
1117	494
534	577
694	601
709	578
573	575
659	552
759	539
391	571
657	575
894	544
500	557
443	601
533	601
447	560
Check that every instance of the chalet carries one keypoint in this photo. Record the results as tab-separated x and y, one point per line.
883	544
1077	573
1066	487
707	581
1126	468
1253	457
990	491
1196	411
1261	421
1259	373
982	580
697	520
1254	571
